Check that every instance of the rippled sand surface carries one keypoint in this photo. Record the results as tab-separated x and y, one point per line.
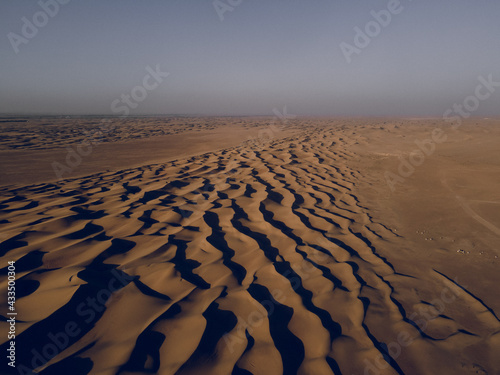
276	252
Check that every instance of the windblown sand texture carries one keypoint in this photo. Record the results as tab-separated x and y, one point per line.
288	256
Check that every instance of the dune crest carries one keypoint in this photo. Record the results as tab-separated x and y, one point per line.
249	260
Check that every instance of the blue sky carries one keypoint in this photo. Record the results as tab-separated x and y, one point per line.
264	54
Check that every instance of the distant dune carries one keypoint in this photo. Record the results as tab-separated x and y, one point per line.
249	246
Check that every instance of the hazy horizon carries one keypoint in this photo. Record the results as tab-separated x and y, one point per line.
211	58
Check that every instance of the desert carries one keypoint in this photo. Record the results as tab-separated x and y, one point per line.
275	247
231	187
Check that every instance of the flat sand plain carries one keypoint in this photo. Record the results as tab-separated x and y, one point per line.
251	246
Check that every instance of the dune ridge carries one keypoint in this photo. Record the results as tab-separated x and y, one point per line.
249	260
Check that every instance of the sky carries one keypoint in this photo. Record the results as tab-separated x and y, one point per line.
247	57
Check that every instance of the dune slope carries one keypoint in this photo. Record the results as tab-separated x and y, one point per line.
250	260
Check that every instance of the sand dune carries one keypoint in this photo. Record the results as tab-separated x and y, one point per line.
290	256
